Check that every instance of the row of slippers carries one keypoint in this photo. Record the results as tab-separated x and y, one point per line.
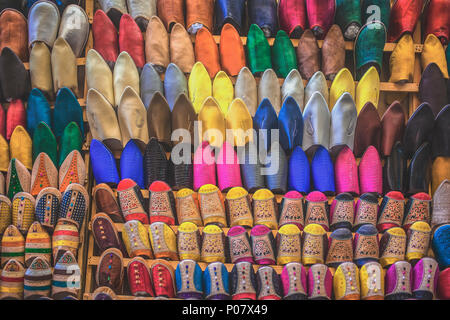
39	281
159	50
209	102
44	174
263	15
30	152
217	109
288	15
41	242
400	282
164	116
207	53
345	126
369	47
49	71
66	109
209	205
200	85
153	73
48	208
159	240
227	168
40	51
56	231
46	22
50	43
57	134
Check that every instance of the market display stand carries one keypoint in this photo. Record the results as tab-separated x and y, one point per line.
410	101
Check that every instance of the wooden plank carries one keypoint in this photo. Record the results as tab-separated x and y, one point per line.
80	62
145	194
90	282
84	233
87	238
278	197
349	45
414	98
89	279
119	227
384	86
89	8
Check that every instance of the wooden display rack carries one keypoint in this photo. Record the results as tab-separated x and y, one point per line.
410	101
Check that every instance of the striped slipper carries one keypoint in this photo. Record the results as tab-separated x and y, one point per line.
13	245
65	238
38	279
11	282
66	277
37	244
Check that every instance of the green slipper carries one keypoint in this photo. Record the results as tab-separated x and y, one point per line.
369	46
284	57
258	50
71	140
348	17
44	141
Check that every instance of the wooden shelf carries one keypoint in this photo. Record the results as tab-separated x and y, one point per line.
145	194
349	45
278	197
119	227
80	62
384	86
412	101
